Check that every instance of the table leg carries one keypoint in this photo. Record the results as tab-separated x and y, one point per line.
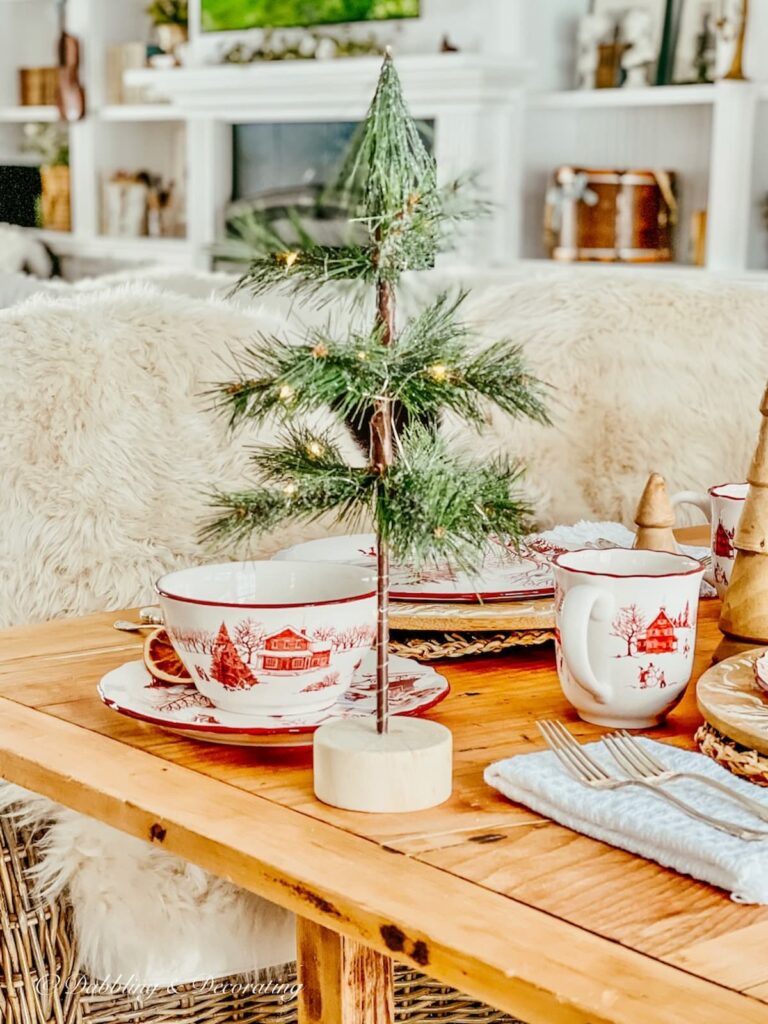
342	981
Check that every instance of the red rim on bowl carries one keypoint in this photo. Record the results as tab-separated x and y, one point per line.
205	603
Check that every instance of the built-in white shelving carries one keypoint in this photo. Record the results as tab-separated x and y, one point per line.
591	99
501	106
23	115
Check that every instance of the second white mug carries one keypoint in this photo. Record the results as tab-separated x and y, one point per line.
722	506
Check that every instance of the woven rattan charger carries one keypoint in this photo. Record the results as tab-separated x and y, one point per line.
429	631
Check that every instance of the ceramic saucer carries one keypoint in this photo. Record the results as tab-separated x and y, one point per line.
183	710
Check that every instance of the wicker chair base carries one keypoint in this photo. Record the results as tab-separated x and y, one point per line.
418	1000
740	760
38	983
433	646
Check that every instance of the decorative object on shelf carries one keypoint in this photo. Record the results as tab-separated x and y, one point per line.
614	216
722	505
744	617
731	700
737	758
595	30
626	623
695	56
181	708
655	517
307	44
70	96
171	21
236	15
640	54
732	31
619	42
126	57
426	503
669	37
699	237
139	204
38	87
51	143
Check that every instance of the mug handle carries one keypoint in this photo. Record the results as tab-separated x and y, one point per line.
581	604
701	501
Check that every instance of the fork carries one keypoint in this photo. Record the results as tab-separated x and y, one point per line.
636	761
589	772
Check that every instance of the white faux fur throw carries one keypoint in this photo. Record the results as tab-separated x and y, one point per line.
142	917
110	448
648	374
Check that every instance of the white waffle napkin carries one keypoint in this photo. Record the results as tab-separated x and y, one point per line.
636	820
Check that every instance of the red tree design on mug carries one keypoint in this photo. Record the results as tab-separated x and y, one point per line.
227	667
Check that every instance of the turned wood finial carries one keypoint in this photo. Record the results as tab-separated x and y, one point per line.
655	517
745	606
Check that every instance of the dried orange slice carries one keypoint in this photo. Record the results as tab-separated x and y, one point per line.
162	661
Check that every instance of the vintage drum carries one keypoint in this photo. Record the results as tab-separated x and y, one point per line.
616	216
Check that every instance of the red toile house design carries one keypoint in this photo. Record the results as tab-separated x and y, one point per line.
660	637
722	543
290	650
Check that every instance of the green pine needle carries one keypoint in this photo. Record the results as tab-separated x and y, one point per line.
308	269
435	505
426	371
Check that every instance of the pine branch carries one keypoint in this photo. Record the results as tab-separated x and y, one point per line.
428	370
499	375
307	269
276	377
432	504
300	479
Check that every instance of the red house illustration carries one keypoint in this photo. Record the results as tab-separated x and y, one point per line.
290	650
722	544
660	636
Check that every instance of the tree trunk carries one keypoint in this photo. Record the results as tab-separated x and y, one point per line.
382	457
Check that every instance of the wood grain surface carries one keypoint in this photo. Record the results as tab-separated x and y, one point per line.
480	893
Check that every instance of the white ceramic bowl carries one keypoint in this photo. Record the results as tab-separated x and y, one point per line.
275	638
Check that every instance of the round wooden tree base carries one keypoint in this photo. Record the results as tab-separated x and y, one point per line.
408	768
740	760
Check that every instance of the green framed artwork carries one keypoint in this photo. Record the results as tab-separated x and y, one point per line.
230	15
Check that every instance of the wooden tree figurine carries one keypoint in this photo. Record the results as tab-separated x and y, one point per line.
391	382
744	615
655	517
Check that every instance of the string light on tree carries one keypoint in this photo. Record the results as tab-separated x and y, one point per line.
389	384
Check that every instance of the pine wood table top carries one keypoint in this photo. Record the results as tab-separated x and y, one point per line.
480	893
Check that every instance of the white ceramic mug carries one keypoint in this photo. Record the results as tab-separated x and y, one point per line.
626	631
722	505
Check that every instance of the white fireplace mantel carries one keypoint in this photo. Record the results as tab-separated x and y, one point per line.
473	100
286	90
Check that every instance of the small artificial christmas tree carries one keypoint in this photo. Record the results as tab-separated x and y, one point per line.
390	384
